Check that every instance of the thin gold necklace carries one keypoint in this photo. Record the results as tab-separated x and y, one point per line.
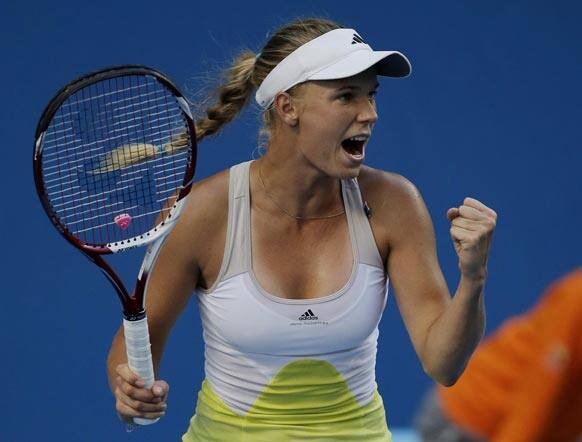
302	218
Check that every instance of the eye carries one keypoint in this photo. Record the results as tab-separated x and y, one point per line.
345	97
372	96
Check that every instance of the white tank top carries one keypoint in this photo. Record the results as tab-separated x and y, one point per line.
250	334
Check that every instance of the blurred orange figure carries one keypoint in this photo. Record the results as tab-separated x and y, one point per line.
523	383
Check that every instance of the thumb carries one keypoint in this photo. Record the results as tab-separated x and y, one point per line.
160	388
452	213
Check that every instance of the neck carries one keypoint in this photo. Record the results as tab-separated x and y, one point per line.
294	186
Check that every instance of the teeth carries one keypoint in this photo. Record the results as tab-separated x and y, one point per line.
359	138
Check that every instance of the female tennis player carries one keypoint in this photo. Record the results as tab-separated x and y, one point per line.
290	255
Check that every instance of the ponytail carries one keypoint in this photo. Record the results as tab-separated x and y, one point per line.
232	96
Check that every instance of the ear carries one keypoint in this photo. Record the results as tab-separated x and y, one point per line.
286	109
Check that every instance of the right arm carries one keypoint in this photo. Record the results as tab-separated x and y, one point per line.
174	277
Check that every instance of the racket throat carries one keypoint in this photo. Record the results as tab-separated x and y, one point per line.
133	309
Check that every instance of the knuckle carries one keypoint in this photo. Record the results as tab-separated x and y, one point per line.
128	389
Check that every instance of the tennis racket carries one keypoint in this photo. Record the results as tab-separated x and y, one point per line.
114	159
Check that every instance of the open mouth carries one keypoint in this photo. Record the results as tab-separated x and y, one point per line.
354	146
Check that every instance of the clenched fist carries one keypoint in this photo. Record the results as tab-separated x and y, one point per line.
472	226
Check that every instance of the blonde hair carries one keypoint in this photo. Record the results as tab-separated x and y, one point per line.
248	71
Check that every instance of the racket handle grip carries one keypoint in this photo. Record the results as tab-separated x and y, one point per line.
139	356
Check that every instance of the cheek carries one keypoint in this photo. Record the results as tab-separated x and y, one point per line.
327	124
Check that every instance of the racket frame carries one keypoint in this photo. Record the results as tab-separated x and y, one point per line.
133	308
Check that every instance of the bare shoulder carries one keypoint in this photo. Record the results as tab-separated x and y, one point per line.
205	216
385	187
208	198
396	203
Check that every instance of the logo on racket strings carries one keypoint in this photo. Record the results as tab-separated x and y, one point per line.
123	221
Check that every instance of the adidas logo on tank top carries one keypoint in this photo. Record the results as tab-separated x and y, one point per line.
308	316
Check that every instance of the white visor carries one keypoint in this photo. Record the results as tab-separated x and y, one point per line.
340	53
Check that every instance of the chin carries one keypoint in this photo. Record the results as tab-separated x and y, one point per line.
354	174
341	168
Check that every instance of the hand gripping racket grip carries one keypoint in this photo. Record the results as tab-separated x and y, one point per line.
139	356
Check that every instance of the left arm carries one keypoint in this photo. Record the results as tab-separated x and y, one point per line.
444	331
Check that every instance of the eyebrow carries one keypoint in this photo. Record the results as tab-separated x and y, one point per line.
357	88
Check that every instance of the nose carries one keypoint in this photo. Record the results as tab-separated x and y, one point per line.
368	112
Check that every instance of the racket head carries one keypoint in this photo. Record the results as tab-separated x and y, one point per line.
114	158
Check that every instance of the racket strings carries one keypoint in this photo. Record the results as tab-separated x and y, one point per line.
114	157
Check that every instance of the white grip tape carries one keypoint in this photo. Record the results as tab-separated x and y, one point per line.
139	356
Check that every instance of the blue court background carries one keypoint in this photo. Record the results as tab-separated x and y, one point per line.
492	110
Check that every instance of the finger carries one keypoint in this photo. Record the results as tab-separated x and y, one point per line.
129	376
467	224
472	202
469	212
452	213
140	405
160	389
460	234
474	220
127	412
140	394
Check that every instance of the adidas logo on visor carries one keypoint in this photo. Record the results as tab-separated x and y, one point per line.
308	316
357	39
